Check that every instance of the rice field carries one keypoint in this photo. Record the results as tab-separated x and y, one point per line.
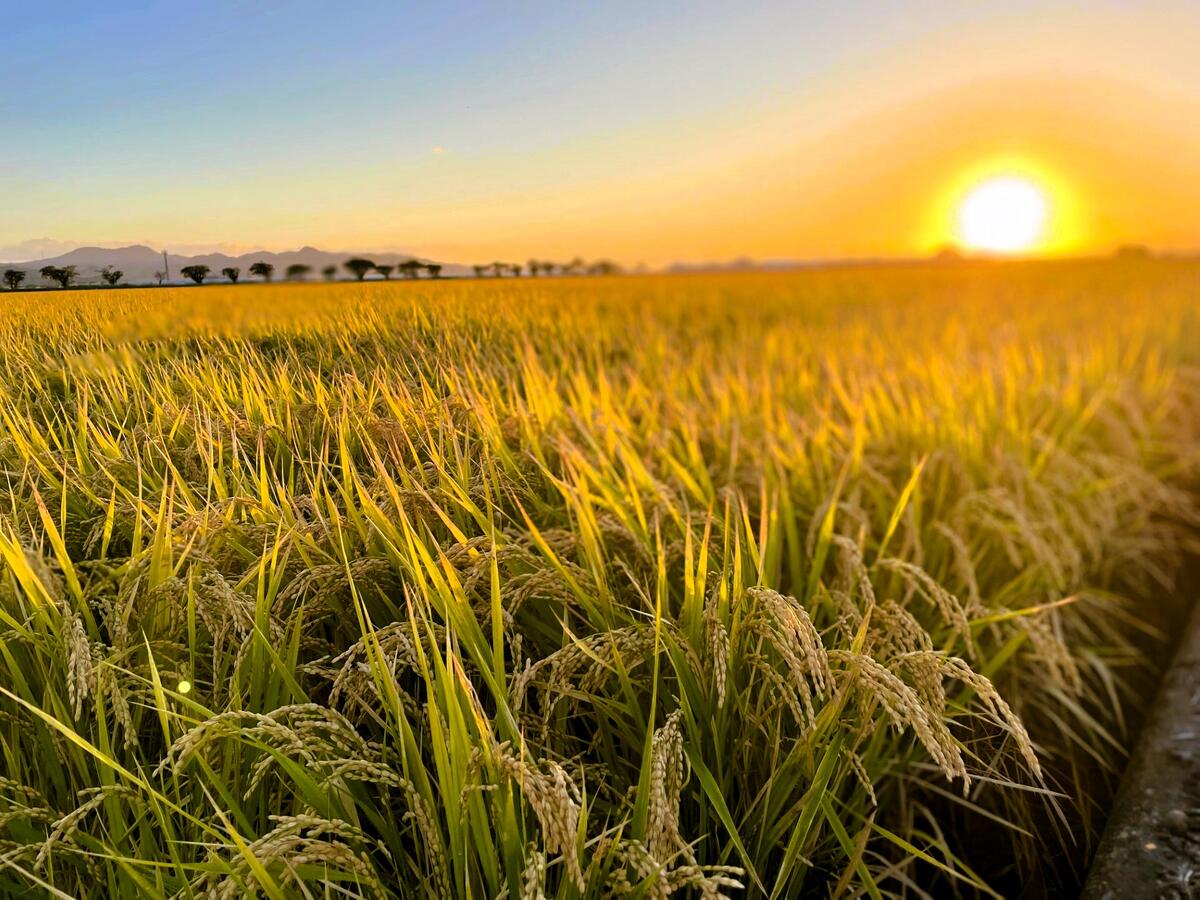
834	584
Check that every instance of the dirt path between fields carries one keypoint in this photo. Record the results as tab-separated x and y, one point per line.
1151	848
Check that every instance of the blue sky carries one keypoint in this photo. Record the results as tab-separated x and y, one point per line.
137	83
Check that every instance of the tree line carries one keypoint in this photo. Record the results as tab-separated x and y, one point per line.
357	266
537	267
360	267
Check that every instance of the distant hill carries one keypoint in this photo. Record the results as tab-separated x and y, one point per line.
139	263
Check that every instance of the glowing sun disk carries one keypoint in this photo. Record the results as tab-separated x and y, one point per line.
1005	214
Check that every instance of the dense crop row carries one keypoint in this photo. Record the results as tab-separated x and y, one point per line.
802	583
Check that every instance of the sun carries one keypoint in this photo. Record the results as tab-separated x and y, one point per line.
1004	214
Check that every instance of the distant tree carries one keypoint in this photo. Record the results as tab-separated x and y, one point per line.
479	270
359	266
574	267
330	272
516	270
263	270
411	268
64	275
604	267
948	254
1134	251
111	276
498	269
386	272
534	266
434	270
233	273
297	272
13	278
547	267
160	277
196	273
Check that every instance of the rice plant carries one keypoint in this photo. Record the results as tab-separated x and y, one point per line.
694	586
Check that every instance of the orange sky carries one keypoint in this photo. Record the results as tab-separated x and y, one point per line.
777	131
1121	164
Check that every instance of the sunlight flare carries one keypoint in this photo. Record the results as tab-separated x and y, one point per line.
1007	214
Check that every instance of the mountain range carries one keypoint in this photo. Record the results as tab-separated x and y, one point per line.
140	263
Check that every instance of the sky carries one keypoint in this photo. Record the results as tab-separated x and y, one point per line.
643	132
